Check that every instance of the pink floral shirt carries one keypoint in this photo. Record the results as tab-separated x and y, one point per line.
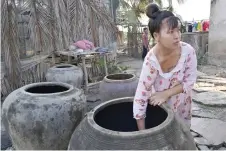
152	77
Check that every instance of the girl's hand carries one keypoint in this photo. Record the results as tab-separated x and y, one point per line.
159	98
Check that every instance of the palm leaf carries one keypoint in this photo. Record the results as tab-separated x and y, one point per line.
10	43
53	25
159	2
124	4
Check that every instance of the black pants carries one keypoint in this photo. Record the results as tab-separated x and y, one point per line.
144	53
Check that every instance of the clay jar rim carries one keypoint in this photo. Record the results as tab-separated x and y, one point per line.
70	88
119	81
147	132
69	67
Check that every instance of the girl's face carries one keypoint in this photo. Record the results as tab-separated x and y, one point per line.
169	38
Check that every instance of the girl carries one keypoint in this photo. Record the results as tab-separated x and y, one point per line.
169	67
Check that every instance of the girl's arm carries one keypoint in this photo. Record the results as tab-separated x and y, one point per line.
144	88
190	75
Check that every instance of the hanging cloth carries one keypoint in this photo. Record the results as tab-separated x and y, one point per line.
199	27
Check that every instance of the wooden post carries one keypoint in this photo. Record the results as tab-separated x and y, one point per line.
53	58
69	59
85	73
105	64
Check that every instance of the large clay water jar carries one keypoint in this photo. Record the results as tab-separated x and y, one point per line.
118	85
65	73
43	116
111	126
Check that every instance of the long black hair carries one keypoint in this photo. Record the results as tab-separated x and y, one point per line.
157	16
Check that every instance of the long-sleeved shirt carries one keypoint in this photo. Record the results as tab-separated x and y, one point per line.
152	76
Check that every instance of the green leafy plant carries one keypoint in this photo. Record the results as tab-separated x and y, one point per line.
112	67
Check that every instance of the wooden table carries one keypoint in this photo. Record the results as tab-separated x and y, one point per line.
83	56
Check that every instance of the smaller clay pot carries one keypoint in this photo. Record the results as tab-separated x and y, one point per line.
66	73
117	86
